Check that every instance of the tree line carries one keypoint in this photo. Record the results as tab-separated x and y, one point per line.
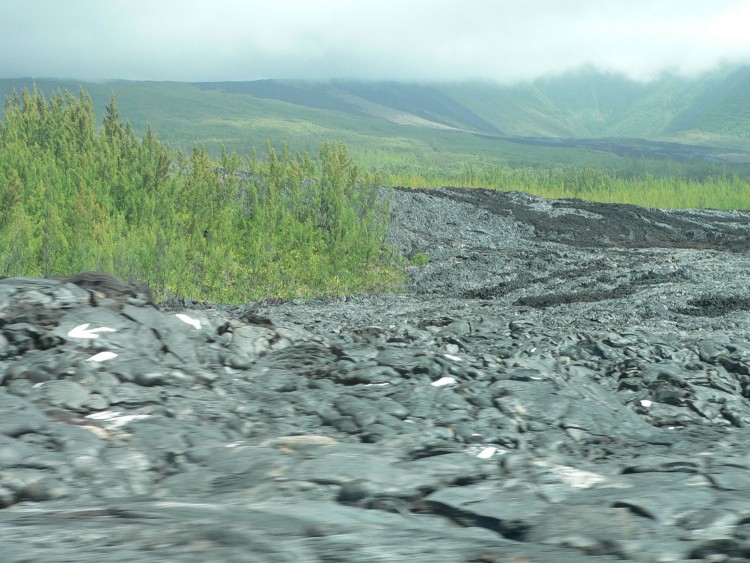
76	197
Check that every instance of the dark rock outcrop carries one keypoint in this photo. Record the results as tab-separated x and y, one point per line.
534	398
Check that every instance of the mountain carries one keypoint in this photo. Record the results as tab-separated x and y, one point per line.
586	103
586	116
400	103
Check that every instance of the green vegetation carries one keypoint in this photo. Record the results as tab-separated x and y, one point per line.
578	119
211	225
419	259
75	198
593	184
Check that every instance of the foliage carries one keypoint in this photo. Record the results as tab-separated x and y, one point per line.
419	259
719	191
377	139
75	198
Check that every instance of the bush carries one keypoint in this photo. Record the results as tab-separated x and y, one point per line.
419	259
74	198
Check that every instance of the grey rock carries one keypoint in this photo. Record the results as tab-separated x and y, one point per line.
66	394
565	381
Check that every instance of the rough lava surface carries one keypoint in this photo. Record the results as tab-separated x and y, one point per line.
564	381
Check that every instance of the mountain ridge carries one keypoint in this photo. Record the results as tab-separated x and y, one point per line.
584	117
585	103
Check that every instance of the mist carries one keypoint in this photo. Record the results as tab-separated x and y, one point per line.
420	40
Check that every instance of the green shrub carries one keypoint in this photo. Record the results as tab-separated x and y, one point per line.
419	259
721	191
74	198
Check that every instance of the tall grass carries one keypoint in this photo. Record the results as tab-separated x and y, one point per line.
75	198
588	183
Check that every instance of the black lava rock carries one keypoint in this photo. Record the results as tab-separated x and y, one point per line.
565	381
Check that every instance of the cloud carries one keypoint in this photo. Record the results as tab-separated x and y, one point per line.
504	40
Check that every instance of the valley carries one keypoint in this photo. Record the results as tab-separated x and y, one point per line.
674	125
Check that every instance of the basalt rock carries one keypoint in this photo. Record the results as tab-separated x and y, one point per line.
563	382
106	289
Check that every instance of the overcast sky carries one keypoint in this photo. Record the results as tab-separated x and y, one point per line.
503	40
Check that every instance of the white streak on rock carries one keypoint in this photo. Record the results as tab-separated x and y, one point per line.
443	381
102	357
487	453
83	331
577	478
646	403
452	357
116	419
189	320
104	415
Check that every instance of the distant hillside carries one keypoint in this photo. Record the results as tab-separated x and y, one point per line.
715	107
584	117
586	103
394	102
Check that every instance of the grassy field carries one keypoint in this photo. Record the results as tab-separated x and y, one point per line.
241	116
78	196
380	124
588	183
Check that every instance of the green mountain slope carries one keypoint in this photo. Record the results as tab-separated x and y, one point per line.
183	114
731	117
521	110
584	117
586	103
